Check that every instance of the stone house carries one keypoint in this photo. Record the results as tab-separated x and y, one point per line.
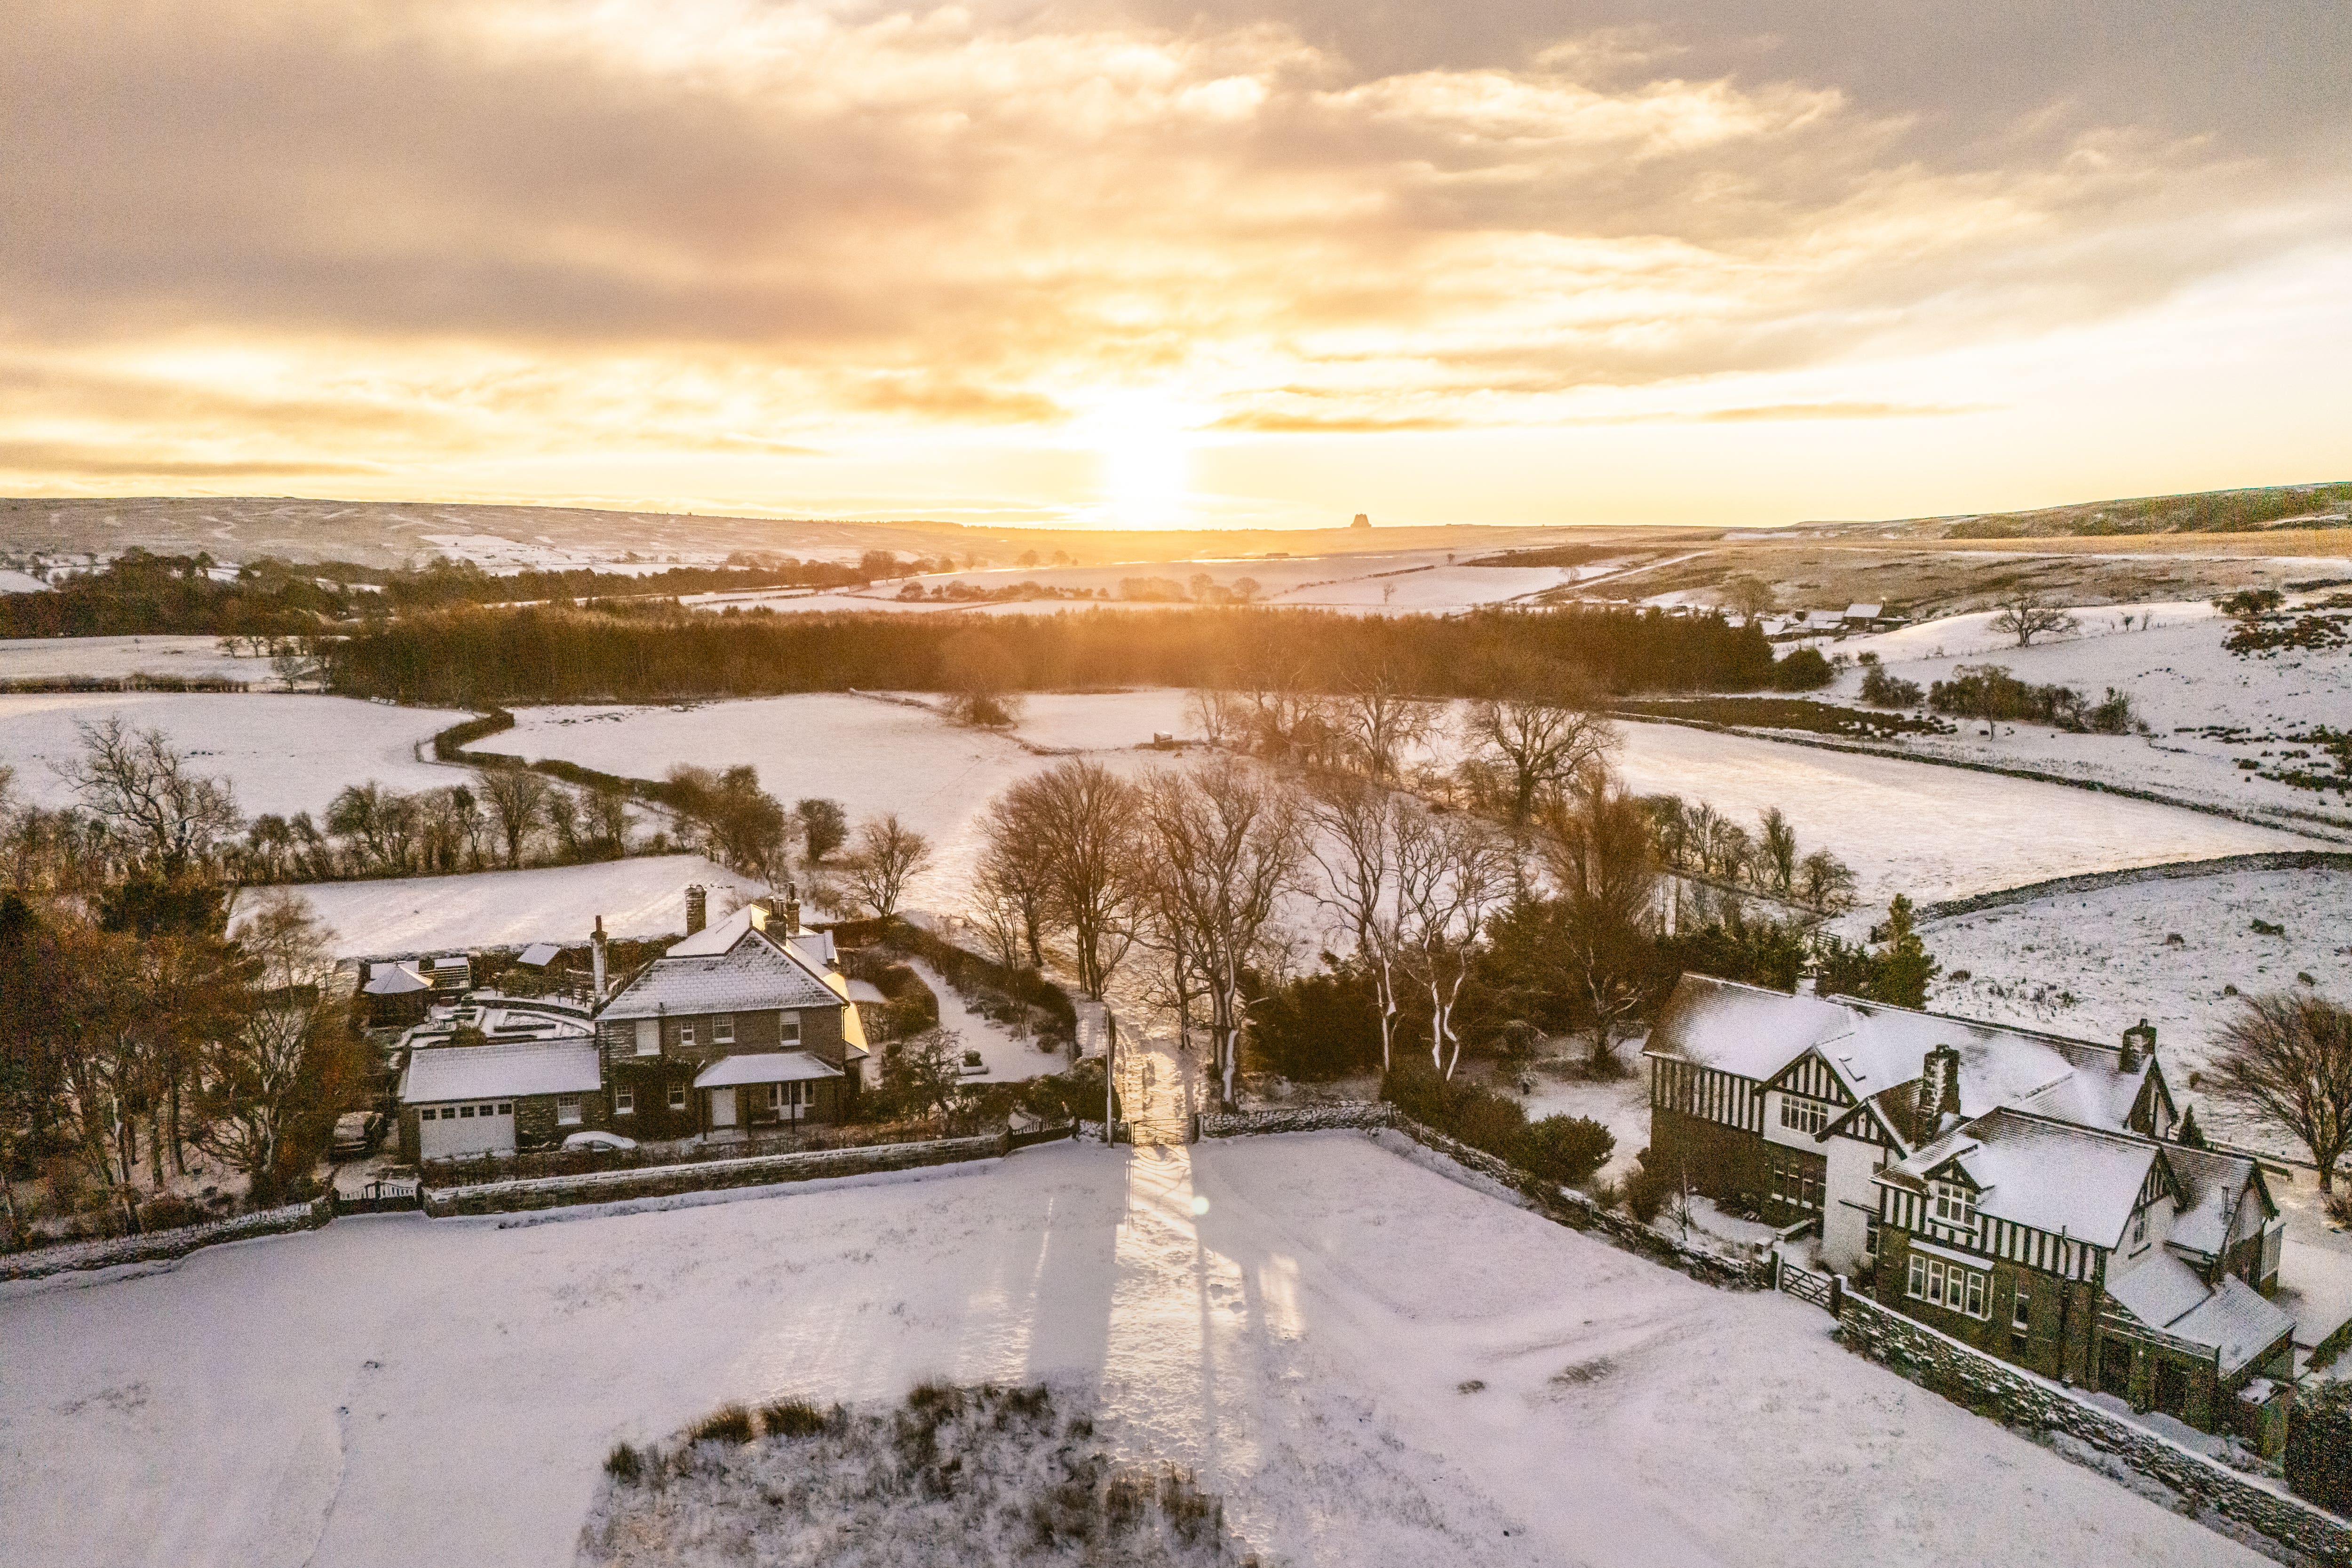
500	1099
745	1024
1881	1125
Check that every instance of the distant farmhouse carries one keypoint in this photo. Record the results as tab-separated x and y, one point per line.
745	1024
2015	1190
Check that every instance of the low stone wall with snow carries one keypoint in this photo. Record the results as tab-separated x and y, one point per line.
2234	1504
1562	1206
157	1245
706	1175
2174	870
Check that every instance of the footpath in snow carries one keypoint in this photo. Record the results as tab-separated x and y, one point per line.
1372	1364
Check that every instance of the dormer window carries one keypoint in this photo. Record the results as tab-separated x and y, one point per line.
1955	1204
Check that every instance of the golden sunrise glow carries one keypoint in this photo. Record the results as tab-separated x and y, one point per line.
1268	267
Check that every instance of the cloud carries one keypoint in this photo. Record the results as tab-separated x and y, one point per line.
50	458
429	229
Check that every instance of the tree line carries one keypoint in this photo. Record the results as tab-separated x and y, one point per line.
489	658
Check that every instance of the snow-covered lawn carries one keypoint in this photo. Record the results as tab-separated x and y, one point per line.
1621	1105
642	897
2092	965
2179	676
282	751
1008	1061
1932	832
190	657
1370	1364
874	756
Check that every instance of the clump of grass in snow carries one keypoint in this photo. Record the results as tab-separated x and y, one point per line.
977	1474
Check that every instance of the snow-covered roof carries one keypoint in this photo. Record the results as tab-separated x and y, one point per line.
477	1072
764	1067
395	980
538	955
1863	612
732	966
866	991
2213	1188
2158	1289
2233	1317
2069	1181
1873	1047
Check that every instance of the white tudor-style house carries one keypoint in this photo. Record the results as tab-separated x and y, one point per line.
2015	1189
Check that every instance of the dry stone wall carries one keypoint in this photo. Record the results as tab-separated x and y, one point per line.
166	1244
706	1175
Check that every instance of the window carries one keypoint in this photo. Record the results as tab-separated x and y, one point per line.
686	1033
677	1097
567	1111
1950	1285
1955	1204
2020	1317
2139	1228
788	1028
506	1108
1870	1236
465	1110
723	1030
1803	1115
625	1099
649	1037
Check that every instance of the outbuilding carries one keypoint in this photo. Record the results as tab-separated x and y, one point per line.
458	1100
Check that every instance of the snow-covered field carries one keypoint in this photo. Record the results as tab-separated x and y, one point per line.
2094	963
283	752
641	897
2169	659
190	657
1370	1364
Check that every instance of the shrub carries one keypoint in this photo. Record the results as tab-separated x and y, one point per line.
625	1464
792	1418
1802	669
728	1423
1476	1115
1319	1027
1567	1149
1881	689
1647	1188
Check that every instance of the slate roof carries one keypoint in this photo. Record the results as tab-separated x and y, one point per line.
2074	1180
754	974
439	1073
2214	1187
2233	1317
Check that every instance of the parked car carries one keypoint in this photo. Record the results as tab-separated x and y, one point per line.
592	1138
357	1133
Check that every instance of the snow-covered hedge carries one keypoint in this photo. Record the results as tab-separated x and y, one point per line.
707	1175
163	1244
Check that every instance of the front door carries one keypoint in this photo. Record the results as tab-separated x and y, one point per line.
722	1108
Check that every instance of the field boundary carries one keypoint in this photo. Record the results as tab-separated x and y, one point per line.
710	1175
2170	870
2154	798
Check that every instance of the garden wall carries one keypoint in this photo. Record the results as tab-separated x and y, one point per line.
707	1175
2218	1496
155	1245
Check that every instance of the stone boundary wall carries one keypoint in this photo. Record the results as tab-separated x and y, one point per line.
1561	1205
42	1262
709	1175
2094	881
2230	1503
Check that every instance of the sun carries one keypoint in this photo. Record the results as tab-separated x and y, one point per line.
1143	444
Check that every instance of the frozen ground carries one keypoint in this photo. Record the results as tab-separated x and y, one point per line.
2181	679
874	756
1932	832
282	751
2094	963
192	657
641	897
1370	1364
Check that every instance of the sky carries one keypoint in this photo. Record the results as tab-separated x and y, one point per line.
1144	262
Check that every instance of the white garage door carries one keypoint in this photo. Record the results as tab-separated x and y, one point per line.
483	1127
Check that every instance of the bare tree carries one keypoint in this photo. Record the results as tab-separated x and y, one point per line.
1534	733
1359	826
254	1075
2027	615
1223	844
888	854
1750	596
1598	848
1221	716
1083	819
980	677
2288	1060
142	788
1826	883
518	802
1010	884
1776	853
1378	722
1453	871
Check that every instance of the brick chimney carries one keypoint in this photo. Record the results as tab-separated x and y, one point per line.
792	910
2139	1044
596	958
698	908
1940	1089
